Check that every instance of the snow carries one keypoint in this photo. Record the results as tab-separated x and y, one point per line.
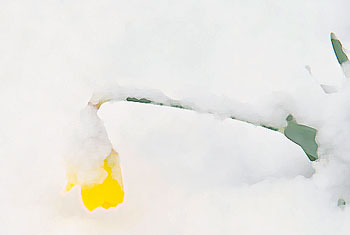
184	172
346	68
87	148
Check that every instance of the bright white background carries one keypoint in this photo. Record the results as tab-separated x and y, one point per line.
184	173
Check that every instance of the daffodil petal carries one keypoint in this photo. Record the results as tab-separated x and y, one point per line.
109	193
68	187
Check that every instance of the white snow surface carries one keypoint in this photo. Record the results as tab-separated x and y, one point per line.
346	68
184	172
87	147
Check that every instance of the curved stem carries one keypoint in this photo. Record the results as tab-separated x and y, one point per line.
154	97
302	135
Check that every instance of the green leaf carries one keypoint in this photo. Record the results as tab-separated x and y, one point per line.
303	136
338	49
341	202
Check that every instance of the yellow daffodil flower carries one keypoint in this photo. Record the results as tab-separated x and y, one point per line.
107	194
101	186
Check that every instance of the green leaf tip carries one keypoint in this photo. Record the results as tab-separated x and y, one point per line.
341	202
302	135
338	49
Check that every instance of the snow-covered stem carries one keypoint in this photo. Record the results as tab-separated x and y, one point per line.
233	110
302	135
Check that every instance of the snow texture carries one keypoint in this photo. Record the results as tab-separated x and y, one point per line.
184	172
87	148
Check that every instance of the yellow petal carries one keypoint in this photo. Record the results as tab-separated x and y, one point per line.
68	187
109	193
